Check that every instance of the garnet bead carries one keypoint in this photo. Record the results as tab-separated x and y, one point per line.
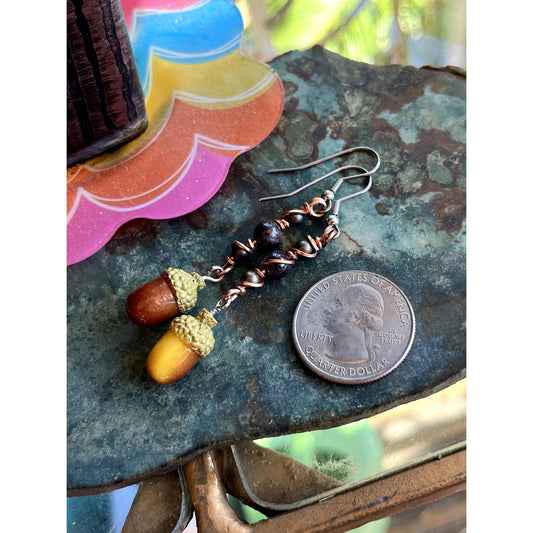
267	234
277	270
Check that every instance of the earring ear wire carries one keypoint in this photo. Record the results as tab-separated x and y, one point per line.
332	156
365	173
319	179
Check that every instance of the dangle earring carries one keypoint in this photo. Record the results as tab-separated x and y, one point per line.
175	291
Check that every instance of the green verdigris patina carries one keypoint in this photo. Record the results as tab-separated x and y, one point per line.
410	228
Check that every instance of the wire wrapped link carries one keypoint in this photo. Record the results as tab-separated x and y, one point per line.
291	256
239	290
330	233
288	214
249	247
316	245
323	207
216	272
282	223
225	301
317	208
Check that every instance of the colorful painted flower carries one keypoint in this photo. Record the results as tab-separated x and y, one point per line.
206	104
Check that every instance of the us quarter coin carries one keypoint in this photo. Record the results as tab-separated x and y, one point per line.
353	327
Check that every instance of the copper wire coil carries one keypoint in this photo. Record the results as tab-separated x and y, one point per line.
315	242
229	297
228	266
249	247
292	254
310	207
287	214
330	233
273	261
238	290
282	223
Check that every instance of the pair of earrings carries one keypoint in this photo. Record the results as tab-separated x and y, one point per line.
174	292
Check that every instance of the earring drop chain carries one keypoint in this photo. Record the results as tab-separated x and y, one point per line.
316	208
309	249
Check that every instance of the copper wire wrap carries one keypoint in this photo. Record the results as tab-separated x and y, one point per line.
293	212
273	261
216	273
317	243
239	290
249	247
308	209
330	233
282	223
316	208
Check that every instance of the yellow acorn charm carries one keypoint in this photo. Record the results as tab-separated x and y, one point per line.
171	294
187	340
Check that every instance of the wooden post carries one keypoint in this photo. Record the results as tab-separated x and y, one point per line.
105	103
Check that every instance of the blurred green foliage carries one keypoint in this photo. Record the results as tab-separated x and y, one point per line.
348	453
415	32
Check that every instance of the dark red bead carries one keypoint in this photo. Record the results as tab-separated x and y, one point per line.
277	270
267	234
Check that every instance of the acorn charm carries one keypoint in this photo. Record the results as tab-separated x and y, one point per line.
173	293
187	340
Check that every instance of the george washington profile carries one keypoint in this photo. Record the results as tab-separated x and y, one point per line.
353	317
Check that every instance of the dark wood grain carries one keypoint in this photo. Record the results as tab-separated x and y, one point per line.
105	104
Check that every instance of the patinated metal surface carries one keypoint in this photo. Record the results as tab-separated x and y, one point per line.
410	228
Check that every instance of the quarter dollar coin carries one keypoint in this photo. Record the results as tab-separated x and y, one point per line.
353	327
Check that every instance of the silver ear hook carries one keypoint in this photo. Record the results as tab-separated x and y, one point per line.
317	180
333	217
338	154
338	182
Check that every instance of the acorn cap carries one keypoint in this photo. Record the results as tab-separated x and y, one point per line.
185	286
196	332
